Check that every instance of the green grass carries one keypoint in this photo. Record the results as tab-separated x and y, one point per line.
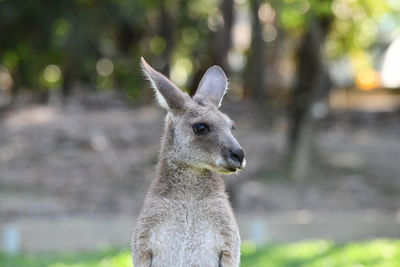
378	253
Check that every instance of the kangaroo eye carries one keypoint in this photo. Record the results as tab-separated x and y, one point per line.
201	128
233	127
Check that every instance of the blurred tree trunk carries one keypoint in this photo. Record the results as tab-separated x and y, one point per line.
15	90
66	85
167	30
310	87
255	74
223	36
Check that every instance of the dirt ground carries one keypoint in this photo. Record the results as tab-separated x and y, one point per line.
78	160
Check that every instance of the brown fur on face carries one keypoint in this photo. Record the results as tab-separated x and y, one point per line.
186	219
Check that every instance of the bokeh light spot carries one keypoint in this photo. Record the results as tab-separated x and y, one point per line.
215	21
181	70
52	73
269	33
236	60
367	79
105	67
266	13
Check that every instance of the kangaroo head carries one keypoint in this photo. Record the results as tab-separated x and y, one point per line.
198	134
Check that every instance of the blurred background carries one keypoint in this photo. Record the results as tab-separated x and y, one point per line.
314	90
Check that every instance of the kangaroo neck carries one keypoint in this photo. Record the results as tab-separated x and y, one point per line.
176	179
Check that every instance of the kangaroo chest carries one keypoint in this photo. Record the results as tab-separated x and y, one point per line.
187	235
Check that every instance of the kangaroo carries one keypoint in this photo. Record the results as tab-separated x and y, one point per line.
186	219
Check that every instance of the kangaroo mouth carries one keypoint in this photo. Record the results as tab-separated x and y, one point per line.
232	169
229	167
228	171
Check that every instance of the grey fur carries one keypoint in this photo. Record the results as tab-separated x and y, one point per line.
213	86
186	219
168	95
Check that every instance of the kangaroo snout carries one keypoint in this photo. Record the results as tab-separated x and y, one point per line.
237	155
235	158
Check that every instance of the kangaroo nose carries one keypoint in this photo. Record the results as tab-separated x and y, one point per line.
237	154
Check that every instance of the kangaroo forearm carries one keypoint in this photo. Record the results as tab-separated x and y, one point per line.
230	252
229	259
146	263
141	247
142	257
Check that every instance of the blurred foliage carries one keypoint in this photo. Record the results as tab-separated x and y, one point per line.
359	27
376	253
72	37
49	44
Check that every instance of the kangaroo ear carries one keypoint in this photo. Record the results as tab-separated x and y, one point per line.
168	95
212	86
